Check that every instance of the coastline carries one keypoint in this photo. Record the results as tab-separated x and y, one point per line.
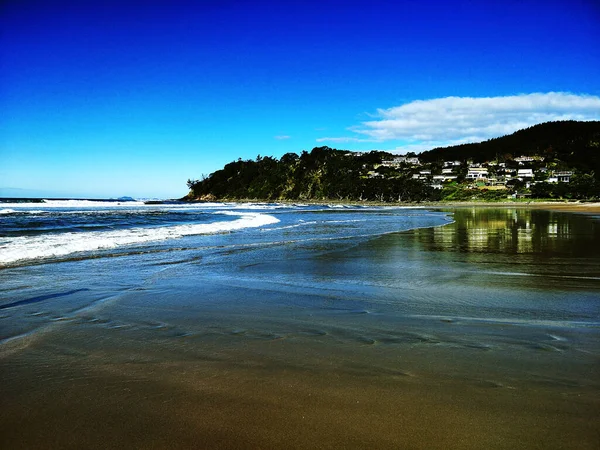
558	205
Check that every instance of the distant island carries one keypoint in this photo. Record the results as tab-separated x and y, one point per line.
553	160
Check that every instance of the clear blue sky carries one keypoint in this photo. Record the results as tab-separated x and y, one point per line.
110	98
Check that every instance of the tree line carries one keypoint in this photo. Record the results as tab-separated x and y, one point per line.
321	174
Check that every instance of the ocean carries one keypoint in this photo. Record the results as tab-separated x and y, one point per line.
225	325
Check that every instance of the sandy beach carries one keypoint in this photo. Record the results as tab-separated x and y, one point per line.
570	206
585	207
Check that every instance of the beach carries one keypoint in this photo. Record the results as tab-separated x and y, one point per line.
320	327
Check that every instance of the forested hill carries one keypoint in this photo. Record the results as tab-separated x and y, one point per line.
575	143
321	174
329	174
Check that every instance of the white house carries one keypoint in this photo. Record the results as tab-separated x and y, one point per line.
442	178
403	159
524	159
564	176
525	173
477	173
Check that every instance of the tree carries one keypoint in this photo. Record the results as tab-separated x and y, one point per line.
541	190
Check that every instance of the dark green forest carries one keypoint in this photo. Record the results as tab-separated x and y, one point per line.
321	174
575	144
329	174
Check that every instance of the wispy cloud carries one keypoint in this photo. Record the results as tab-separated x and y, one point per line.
345	139
424	124
282	137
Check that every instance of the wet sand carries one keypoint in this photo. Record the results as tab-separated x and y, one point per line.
106	393
582	207
557	205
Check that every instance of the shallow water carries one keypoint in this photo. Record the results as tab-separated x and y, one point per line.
325	328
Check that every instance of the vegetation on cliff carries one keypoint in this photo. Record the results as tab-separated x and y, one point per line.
323	173
574	144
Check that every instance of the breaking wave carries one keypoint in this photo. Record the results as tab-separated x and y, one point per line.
24	248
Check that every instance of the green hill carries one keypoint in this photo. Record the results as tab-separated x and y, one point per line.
577	144
329	174
321	174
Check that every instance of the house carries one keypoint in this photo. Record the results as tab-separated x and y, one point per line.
442	178
496	181
452	163
525	173
413	160
564	176
447	171
523	159
477	173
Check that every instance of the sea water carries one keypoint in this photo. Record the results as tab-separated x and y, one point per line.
267	325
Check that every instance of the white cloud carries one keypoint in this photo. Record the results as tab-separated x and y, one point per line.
424	124
345	139
283	137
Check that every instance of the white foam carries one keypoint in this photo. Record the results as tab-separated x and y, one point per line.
57	245
75	206
7	211
261	206
87	203
80	204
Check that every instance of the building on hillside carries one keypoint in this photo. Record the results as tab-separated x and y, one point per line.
524	173
496	181
477	173
563	176
411	160
443	178
525	159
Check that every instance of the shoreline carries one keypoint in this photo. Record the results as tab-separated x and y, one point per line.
558	205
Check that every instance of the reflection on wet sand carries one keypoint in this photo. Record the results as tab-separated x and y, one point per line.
513	231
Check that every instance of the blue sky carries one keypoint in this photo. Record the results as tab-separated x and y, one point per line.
114	98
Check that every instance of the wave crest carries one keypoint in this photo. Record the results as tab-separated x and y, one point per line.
24	248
